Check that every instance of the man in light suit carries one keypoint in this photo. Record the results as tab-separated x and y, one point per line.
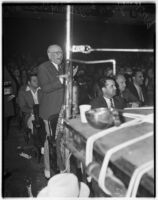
53	94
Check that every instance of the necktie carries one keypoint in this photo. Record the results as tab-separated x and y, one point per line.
141	95
111	102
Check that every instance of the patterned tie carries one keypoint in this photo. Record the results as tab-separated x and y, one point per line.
112	105
141	98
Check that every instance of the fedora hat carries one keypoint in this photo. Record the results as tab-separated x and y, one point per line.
64	185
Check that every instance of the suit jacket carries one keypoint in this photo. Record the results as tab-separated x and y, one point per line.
53	90
133	90
100	102
25	100
128	96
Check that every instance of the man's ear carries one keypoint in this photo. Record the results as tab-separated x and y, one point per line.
48	55
133	78
28	83
103	89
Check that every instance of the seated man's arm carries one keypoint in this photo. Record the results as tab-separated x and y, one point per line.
45	83
23	104
130	96
95	104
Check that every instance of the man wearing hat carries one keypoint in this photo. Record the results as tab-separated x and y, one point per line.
65	185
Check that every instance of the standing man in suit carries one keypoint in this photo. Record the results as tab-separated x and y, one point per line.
136	88
108	98
53	94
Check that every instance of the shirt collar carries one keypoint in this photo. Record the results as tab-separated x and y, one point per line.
56	66
137	86
29	89
108	99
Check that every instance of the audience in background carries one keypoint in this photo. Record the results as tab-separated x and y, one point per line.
124	92
24	77
128	75
136	87
149	84
17	76
9	92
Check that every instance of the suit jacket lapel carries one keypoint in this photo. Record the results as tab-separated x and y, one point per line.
53	70
103	102
30	97
39	95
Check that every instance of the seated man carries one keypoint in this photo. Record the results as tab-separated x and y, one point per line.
124	92
136	87
29	96
108	98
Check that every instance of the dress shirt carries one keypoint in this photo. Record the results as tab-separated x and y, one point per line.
139	90
34	95
110	102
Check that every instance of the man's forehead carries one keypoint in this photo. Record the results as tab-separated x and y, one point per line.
54	48
139	74
33	77
121	78
110	82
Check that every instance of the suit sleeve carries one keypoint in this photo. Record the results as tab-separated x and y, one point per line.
130	97
22	103
47	85
94	104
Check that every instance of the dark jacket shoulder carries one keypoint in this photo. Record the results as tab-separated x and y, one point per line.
98	102
44	65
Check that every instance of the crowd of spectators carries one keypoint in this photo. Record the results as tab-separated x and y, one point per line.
87	77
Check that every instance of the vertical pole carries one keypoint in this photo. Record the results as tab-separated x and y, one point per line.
68	82
68	85
114	67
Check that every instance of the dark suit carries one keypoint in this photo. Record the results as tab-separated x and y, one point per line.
128	96
133	90
100	102
53	90
52	100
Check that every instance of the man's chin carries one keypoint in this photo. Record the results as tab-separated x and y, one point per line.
58	63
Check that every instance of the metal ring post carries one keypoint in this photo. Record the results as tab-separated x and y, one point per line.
110	152
97	62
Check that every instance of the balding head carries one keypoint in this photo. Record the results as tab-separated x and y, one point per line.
55	54
121	81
